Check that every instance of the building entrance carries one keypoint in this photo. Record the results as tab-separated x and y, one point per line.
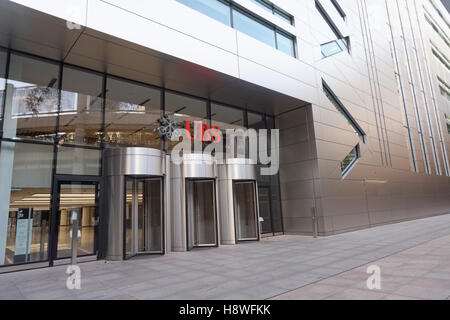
245	211
144	219
201	214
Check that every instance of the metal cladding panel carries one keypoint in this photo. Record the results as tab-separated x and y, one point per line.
134	161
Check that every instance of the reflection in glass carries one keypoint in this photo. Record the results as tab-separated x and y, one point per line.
201	214
226	117
81	199
132	114
265	210
26	171
349	160
81	107
129	223
213	8
245	211
334	47
32	99
285	44
253	28
144	220
3	57
78	161
256	120
186	111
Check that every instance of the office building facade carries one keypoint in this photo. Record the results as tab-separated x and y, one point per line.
358	90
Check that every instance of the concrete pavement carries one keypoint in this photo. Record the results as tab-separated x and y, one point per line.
414	257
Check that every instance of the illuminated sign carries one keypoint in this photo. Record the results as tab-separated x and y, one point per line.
200	131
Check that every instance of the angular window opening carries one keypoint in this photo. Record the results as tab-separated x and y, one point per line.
340	107
339	9
447	119
340	44
444	88
334	47
349	161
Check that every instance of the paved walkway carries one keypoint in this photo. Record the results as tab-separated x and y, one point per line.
414	257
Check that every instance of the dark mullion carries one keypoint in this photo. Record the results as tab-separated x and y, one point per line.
103	124
53	228
231	16
8	60
208	112
163	110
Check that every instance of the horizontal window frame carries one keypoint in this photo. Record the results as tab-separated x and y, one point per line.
251	15
277	10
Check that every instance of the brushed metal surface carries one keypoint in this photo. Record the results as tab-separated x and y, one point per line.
120	163
228	172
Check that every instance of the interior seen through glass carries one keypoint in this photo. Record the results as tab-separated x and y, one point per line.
201	213
144	219
81	199
245	211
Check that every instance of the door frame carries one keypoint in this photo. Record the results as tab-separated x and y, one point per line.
216	221
256	204
55	218
136	178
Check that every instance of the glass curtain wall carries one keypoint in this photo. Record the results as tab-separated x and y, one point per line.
90	112
31	106
26	174
189	113
132	114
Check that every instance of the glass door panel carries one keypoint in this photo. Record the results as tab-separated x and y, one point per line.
201	213
82	199
144	217
265	210
246	218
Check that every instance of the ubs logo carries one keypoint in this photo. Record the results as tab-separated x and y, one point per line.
195	130
167	127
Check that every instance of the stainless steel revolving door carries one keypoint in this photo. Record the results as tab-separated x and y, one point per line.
245	211
144	219
239	207
135	202
201	214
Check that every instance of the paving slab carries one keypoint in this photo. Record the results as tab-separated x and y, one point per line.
414	258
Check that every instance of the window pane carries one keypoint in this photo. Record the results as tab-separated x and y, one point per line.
226	117
283	16
253	28
330	48
186	110
3	56
263	5
212	8
285	44
81	107
26	172
132	114
349	160
78	161
255	121
32	99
